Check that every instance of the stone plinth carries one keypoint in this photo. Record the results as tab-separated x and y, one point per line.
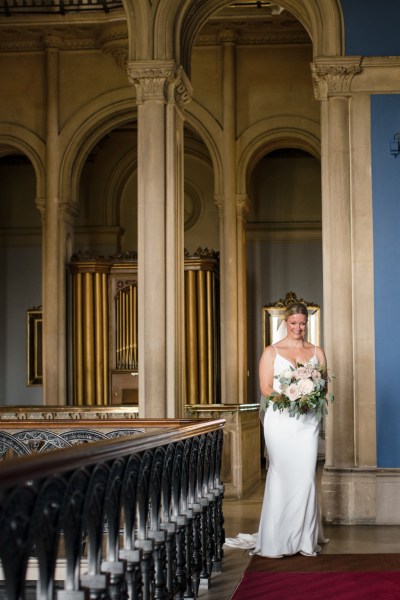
360	496
241	455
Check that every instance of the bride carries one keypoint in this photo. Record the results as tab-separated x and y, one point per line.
290	520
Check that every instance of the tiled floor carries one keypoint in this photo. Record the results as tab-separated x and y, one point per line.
241	516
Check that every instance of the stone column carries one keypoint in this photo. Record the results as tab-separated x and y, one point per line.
56	229
343	485
162	89
242	208
229	250
332	85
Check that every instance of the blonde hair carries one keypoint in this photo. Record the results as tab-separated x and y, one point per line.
296	308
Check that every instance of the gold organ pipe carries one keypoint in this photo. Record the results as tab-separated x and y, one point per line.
123	329
125	365
119	325
117	336
135	329
191	337
125	300
88	332
202	335
98	340
78	341
127	328
210	336
120	340
105	335
130	326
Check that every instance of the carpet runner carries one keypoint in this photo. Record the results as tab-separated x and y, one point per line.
326	577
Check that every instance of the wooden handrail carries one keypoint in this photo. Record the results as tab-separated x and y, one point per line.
21	468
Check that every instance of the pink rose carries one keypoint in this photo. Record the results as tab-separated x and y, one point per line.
293	392
303	372
316	375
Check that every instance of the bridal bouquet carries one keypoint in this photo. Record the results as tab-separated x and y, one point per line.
303	388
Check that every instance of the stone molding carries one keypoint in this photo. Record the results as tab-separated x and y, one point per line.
360	495
73	413
333	77
115	43
30	37
242	206
255	39
159	80
284	232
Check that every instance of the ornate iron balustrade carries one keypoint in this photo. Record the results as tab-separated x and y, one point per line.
136	517
14	7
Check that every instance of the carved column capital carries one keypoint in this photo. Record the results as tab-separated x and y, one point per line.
115	43
242	206
52	42
333	76
159	80
67	211
228	36
219	203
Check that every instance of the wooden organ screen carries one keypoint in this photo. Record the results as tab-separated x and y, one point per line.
104	331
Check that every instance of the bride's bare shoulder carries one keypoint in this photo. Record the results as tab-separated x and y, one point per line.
308	345
268	352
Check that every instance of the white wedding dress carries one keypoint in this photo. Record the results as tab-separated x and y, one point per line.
289	520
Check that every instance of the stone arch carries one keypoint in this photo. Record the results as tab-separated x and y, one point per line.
138	20
84	129
31	146
323	20
271	134
211	133
115	185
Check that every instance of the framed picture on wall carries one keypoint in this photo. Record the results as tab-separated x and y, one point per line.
273	315
34	320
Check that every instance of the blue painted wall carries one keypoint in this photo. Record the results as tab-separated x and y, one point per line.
371	27
385	122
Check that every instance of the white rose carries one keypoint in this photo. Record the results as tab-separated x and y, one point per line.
305	386
293	392
303	373
287	373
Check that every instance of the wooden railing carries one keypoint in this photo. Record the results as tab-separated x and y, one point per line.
138	517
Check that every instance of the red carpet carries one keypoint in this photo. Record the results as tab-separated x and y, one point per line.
327	577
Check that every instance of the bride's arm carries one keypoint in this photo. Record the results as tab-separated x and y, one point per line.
322	360
266	370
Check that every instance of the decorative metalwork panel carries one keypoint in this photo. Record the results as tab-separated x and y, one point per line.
30	441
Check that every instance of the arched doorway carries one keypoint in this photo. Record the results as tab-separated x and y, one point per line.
20	274
284	240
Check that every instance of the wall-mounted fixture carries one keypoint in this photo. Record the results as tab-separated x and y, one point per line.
395	145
